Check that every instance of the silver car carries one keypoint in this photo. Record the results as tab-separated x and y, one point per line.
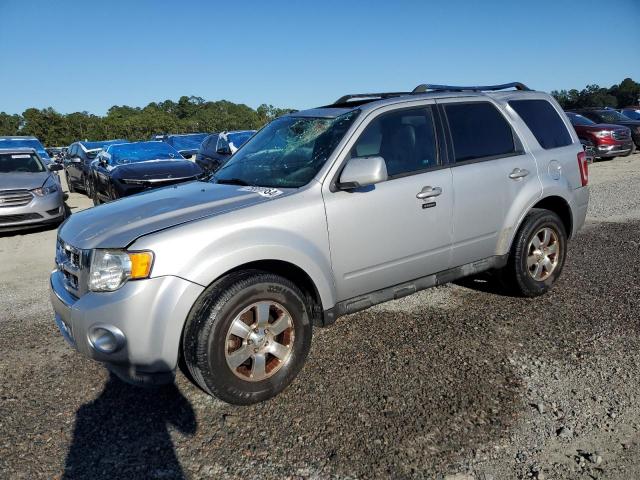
30	191
322	213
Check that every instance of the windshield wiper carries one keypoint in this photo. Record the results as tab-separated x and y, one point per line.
232	181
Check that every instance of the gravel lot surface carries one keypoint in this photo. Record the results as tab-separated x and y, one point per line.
458	382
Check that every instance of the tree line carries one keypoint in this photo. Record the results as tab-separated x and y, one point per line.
194	114
188	114
617	96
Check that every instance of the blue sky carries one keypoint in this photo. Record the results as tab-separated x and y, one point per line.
90	55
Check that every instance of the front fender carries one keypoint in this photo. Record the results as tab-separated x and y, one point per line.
239	249
291	229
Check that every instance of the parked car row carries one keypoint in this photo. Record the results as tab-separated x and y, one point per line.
30	190
607	132
110	169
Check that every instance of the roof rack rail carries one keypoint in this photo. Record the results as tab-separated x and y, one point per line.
356	96
451	88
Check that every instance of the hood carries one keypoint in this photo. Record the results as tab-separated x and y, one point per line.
156	169
602	126
117	224
22	180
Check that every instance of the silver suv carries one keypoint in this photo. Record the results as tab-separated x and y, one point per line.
323	213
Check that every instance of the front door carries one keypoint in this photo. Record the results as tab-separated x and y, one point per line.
384	235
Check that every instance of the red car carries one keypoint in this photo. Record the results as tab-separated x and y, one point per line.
607	140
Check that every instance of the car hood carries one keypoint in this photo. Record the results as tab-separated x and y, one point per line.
602	126
22	180
156	169
117	224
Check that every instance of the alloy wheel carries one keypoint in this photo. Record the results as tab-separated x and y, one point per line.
543	254
259	341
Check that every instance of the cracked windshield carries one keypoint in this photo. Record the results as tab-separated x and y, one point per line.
287	153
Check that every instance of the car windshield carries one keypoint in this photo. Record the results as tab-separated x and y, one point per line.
239	138
580	120
632	114
611	116
187	142
141	152
20	162
25	143
288	152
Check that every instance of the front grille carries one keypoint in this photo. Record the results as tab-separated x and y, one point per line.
73	263
621	134
15	198
19	218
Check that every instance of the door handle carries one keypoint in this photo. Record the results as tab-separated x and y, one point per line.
428	192
518	173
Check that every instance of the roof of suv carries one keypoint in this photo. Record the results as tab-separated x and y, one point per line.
370	101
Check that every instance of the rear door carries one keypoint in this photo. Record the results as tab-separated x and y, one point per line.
384	234
490	171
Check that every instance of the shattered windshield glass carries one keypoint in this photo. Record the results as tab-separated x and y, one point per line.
286	153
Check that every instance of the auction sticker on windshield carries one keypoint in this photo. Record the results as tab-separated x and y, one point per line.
264	191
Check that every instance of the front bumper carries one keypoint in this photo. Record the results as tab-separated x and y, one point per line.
40	211
149	313
606	151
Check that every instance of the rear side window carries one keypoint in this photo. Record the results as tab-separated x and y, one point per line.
478	130
544	122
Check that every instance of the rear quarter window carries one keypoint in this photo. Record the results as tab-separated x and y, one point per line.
544	122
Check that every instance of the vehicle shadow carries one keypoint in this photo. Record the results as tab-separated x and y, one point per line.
486	282
125	433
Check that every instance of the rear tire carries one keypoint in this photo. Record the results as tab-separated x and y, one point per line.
69	184
537	255
247	337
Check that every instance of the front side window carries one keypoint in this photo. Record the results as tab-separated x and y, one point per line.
288	152
478	130
544	122
405	139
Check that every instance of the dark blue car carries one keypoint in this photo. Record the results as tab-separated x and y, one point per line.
217	148
129	168
185	143
26	142
77	162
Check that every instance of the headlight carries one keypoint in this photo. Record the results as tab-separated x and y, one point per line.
48	188
110	269
603	134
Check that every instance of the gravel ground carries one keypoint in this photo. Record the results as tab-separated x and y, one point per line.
458	382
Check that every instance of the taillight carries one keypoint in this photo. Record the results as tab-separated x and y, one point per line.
584	168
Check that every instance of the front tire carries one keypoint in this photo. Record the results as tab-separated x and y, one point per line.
95	197
247	337
537	254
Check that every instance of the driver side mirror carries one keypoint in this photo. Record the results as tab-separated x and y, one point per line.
53	167
362	172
